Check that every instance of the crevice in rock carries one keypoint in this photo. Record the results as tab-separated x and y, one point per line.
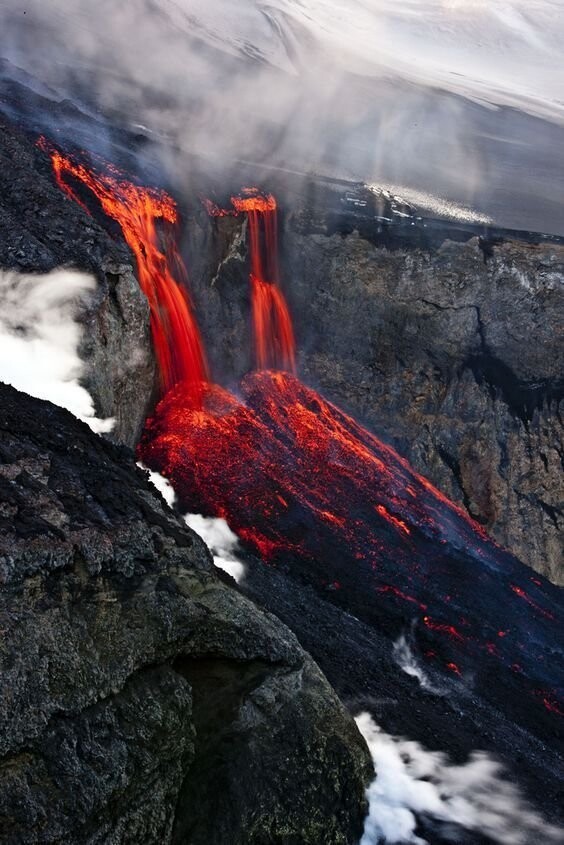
454	465
219	688
552	512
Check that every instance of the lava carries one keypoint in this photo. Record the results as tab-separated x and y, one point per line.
275	346
449	630
176	337
307	488
519	591
310	490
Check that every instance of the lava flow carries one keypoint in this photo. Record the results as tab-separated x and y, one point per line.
176	337
272	325
314	493
310	490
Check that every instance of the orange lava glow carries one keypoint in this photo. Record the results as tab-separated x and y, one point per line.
399	523
449	630
301	483
550	703
176	337
275	346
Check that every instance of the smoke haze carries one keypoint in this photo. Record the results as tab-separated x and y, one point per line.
460	99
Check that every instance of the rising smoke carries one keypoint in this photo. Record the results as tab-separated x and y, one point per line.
39	339
408	663
406	93
413	782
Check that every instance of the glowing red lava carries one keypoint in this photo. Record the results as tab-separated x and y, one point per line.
275	346
309	489
306	487
176	337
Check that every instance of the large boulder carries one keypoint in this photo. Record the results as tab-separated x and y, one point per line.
142	698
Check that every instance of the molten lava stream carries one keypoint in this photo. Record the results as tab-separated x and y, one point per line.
176	337
275	346
306	487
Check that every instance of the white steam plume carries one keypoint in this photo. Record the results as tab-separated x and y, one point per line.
412	781
406	660
39	339
215	533
162	484
221	540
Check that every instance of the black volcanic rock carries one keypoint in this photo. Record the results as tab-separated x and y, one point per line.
141	698
40	230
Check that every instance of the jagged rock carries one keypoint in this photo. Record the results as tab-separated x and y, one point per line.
454	356
40	230
451	353
142	699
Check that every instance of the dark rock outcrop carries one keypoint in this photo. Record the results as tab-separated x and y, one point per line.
40	230
142	699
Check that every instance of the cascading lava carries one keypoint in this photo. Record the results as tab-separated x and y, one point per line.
176	337
310	491
272	325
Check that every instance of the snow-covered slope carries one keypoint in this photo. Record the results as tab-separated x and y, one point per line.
505	52
462	99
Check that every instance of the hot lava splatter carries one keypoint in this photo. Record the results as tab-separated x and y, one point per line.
176	337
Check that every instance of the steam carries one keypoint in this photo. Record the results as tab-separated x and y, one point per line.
221	540
503	53
405	659
382	91
413	782
215	533
162	484
39	340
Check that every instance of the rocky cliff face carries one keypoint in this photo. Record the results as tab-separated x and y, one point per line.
452	352
456	356
142	699
40	230
448	348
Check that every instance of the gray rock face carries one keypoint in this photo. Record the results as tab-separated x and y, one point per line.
457	358
141	698
453	354
40	230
